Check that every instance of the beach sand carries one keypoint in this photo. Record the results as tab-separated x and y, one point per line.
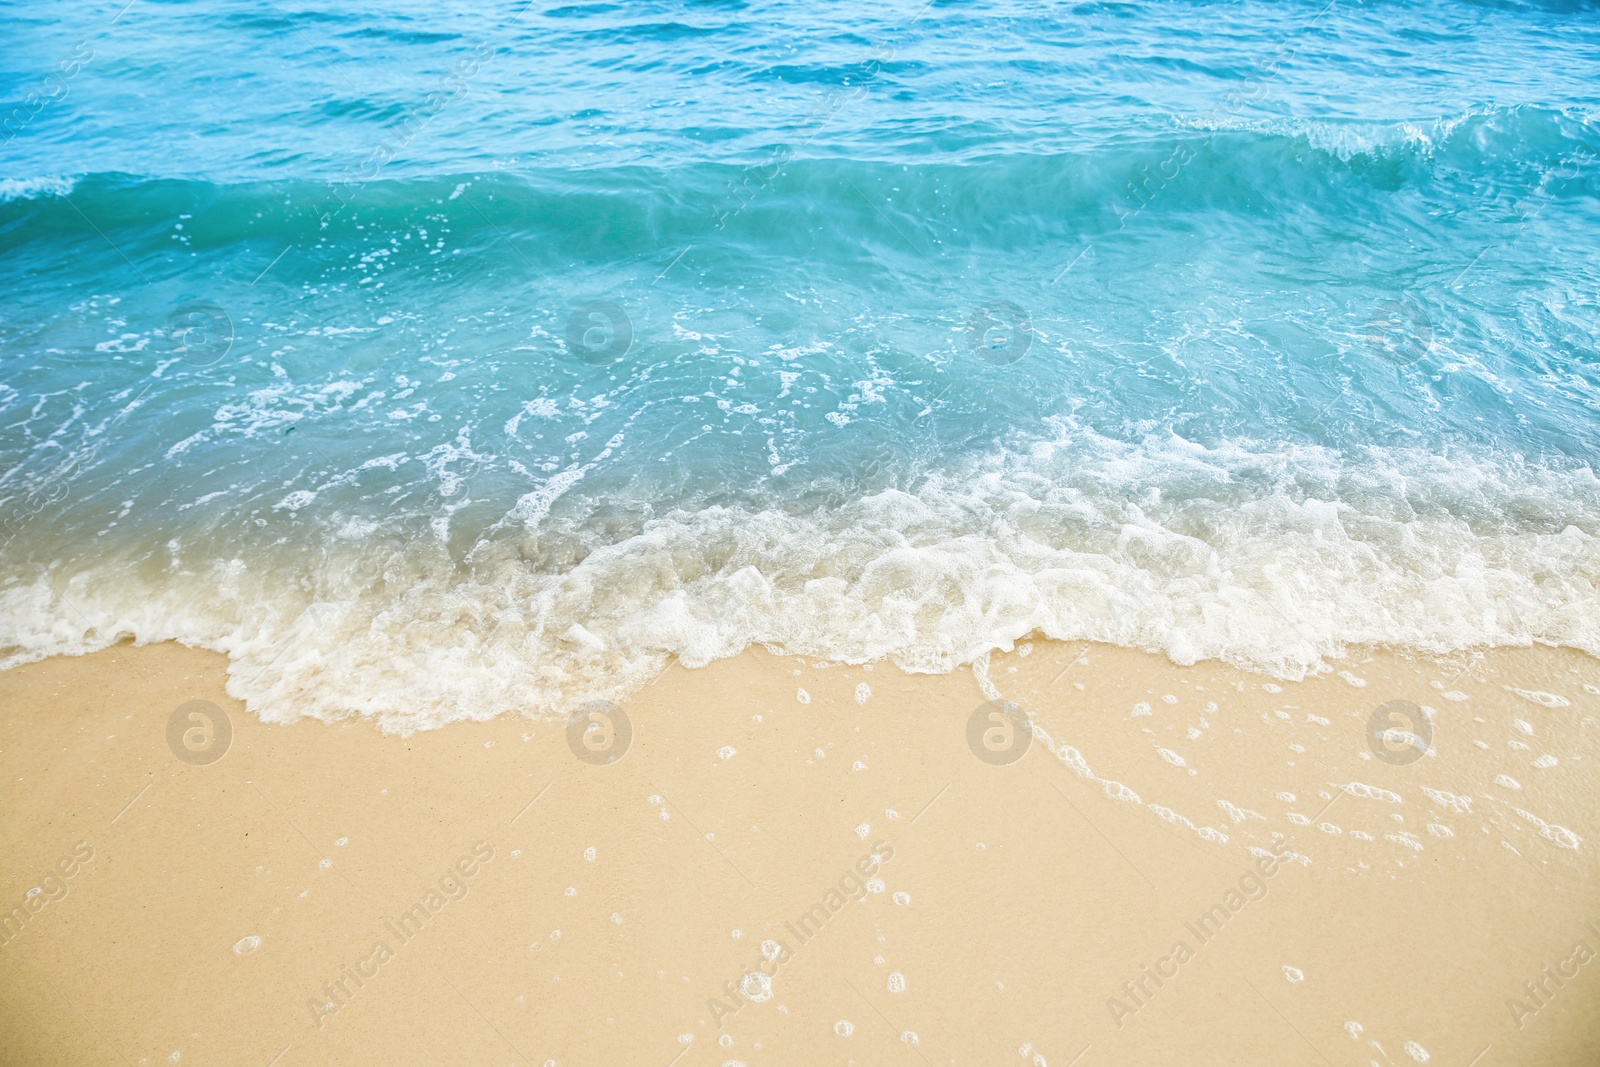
479	894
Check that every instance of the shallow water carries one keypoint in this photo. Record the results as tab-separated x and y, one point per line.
440	365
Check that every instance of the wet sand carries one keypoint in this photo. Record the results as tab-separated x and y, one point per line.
800	863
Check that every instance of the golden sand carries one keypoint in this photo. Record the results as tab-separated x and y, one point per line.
801	863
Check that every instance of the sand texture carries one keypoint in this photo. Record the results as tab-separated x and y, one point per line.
801	863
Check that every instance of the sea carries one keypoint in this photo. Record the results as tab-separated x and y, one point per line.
440	361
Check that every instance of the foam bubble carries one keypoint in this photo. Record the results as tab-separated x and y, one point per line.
33	188
1560	836
1372	792
1538	696
1459	804
756	987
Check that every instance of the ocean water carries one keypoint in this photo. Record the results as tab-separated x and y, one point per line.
438	364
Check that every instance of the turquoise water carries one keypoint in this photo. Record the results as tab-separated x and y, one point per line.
438	365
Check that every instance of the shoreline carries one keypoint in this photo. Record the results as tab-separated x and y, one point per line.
952	893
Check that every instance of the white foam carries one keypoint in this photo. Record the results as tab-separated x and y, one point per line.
415	631
1238	814
1560	836
1540	697
1461	805
1372	792
31	188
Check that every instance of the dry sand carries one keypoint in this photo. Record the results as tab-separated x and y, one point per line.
591	913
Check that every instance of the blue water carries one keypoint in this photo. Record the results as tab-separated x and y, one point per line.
438	364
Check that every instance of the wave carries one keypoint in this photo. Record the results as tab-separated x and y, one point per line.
1274	558
784	201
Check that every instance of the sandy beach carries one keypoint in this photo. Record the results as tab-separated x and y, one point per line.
757	534
792	862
